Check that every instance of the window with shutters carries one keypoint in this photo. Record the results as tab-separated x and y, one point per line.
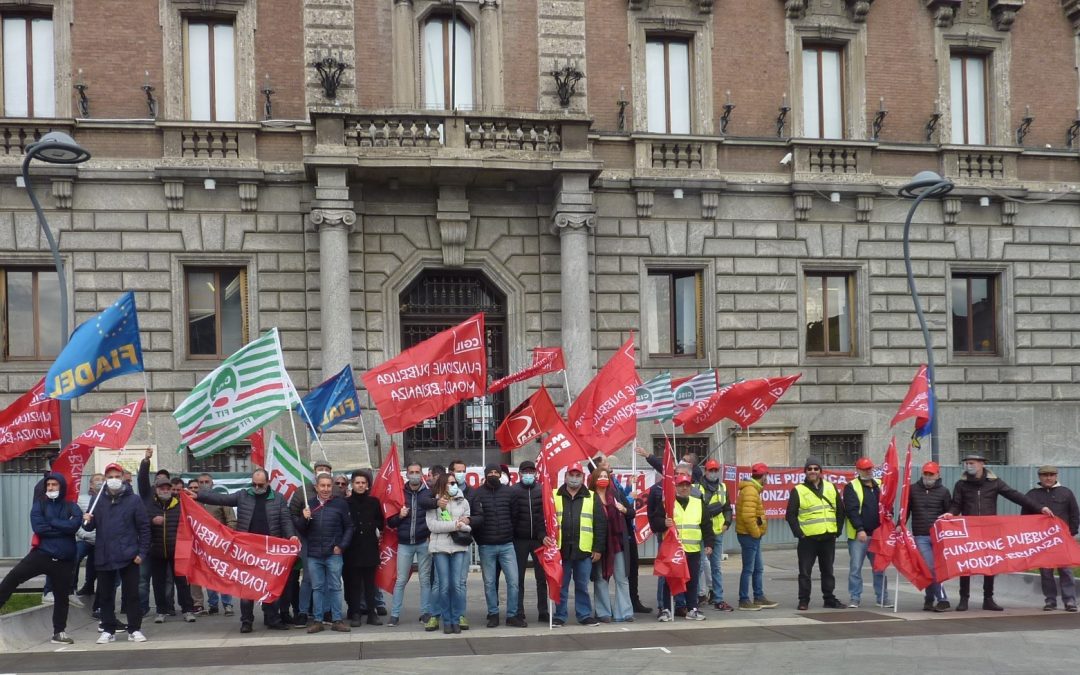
668	84
233	459
674	306
29	313
991	444
837	449
217	311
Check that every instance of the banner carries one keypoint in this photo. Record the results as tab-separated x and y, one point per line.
331	402
988	545
689	390
603	414
545	360
532	418
244	565
32	420
111	432
883	544
100	349
287	473
779	482
425	380
655	400
388	488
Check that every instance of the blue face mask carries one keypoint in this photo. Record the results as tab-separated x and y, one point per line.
460	475
528	478
452	490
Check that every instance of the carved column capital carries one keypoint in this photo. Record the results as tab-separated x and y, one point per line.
569	222
324	219
489	4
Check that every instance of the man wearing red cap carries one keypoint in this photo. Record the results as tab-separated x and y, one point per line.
927	501
750	526
582	538
718	510
861	497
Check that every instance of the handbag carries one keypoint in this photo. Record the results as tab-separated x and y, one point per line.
461	538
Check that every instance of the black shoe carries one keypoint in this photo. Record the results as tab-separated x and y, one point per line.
590	621
516	622
278	626
642	609
962	605
558	623
356	622
245	627
928	606
942	606
300	621
381	611
492	620
457	628
991	606
373	619
447	629
834	604
543	617
803	606
212	611
1050	606
85	591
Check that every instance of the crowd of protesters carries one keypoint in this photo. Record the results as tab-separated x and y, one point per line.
128	539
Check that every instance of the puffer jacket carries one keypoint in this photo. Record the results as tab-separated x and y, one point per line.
498	526
925	505
978	496
163	536
123	529
55	522
85	500
412	529
278	518
1061	501
750	510
441	522
527	511
330	526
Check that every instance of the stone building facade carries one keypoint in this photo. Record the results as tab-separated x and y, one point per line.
715	183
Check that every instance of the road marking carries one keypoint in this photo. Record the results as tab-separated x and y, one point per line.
663	649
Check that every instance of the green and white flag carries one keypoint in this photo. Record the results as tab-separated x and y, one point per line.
246	392
285	468
655	400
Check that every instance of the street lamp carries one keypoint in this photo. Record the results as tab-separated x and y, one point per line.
924	185
55	147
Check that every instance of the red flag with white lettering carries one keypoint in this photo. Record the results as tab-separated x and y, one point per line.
390	491
917	402
545	360
604	415
532	418
32	420
966	545
258	448
642	529
562	448
549	556
425	380
883	543
670	562
111	432
744	403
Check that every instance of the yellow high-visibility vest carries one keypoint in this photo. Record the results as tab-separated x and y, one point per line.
585	527
817	515
688	523
718	497
858	487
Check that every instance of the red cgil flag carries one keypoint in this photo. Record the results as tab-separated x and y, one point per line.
670	562
258	448
30	421
604	415
562	448
916	404
390	491
743	403
545	360
425	380
883	543
549	556
532	418
113	432
642	529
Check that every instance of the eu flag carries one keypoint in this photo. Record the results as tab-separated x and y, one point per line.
331	402
100	349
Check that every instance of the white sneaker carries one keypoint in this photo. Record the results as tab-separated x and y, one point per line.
74	601
160	618
854	604
61	638
106	638
48	599
136	636
189	617
665	615
694	615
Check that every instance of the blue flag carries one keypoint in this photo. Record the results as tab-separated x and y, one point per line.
331	402
100	349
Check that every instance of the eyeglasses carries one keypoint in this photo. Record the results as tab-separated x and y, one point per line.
451	482
813	468
1048	474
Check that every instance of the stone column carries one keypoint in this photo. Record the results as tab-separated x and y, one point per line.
491	65
573	217
402	56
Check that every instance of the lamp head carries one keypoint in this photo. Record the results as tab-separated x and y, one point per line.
56	147
928	183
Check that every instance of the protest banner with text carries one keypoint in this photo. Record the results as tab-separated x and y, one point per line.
778	485
989	545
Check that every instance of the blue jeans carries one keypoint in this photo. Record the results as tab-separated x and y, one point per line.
326	586
580	570
601	587
716	578
935	592
212	598
502	555
858	552
405	555
450	597
753	568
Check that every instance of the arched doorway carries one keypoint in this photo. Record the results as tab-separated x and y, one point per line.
435	301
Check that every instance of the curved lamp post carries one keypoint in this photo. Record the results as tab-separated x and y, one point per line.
925	185
55	147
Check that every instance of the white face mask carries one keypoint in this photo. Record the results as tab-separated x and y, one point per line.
55	494
114	484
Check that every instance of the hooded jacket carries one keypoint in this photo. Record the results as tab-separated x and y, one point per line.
978	496
278	518
123	529
55	522
925	505
1061	501
750	510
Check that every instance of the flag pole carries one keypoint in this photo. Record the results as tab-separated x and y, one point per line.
299	459
566	384
310	424
363	432
149	424
483	430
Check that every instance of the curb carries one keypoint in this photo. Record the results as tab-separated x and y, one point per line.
27	626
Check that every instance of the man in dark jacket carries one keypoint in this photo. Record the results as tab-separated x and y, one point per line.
861	499
495	540
927	501
580	545
976	494
527	515
300	591
146	485
259	510
55	522
1062	502
815	515
328	527
123	543
164	513
413	535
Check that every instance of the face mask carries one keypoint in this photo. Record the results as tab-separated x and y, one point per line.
452	490
574	481
504	479
713	475
259	489
460	475
55	494
528	478
929	482
96	485
603	482
164	494
492	481
113	484
414	479
970	469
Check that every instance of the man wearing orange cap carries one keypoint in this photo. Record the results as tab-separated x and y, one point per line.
718	510
582	539
861	498
927	501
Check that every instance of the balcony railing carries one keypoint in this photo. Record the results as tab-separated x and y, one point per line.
16	134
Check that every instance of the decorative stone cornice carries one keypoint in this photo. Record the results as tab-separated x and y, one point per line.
174	195
944	11
61	191
950	209
1072	12
1009	209
864	208
1003	13
703	6
332	218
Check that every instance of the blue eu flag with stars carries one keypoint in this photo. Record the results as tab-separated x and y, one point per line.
331	402
100	349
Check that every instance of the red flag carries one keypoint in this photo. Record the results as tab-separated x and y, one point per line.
668	486
890	476
562	448
641	524
30	421
604	415
533	417
549	556
909	562
743	403
425	380
111	432
244	565
390	491
989	545
905	487
670	562
883	543
704	413
258	448
917	402
545	360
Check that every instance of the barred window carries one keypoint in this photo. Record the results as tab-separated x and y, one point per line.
699	445
837	449
35	461
234	459
993	445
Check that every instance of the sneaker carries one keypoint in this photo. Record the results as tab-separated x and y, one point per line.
833	604
747	606
942	606
432	624
765	603
463	622
557	623
136	636
106	638
423	617
664	615
74	601
723	607
393	621
694	615
228	610
381	611
928	606
589	621
189	617
887	604
300	621
160	618
47	599
1070	608
245	627
61	638
212	611
1050	606
854	604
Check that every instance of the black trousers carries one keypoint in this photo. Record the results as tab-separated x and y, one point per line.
58	572
160	568
523	548
988	587
271	612
360	590
129	594
632	564
823	551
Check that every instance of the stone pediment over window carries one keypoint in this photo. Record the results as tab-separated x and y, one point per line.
999	13
856	10
703	6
